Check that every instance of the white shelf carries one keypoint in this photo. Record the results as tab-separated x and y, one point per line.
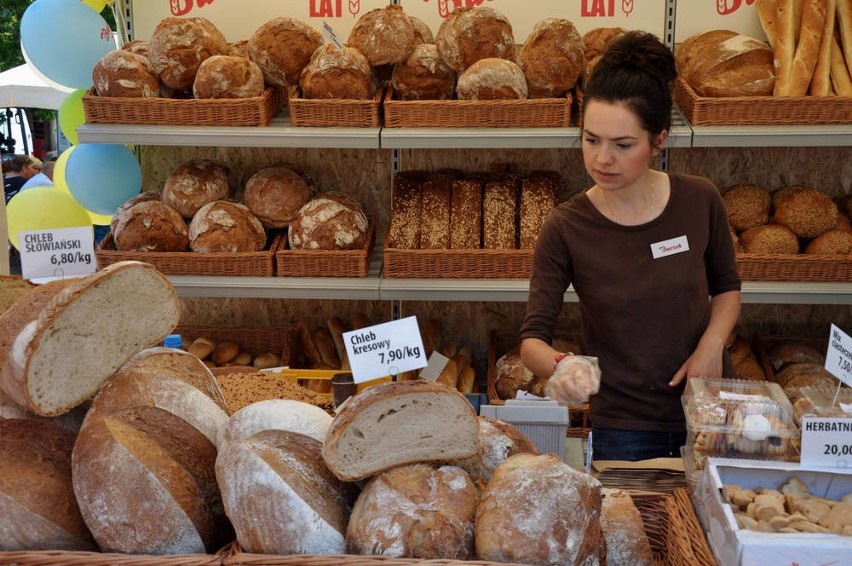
772	136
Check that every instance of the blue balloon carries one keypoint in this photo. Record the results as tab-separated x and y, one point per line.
102	176
63	39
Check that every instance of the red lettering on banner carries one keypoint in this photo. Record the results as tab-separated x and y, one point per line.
179	8
598	8
354	6
726	7
446	7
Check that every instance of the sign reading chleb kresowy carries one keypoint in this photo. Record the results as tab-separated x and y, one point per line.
384	349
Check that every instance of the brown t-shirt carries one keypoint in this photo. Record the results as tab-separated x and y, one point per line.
643	315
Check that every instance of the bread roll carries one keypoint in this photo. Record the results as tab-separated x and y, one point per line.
276	414
415	511
178	46
747	205
266	361
51	366
492	79
497	441
623	530
226	226
423	76
769	239
406	211
275	195
435	212
471	34
384	35
499	221
282	48
149	226
127	74
338	72
225	76
552	58
193	184
37	500
722	63
326	224
832	242
539	510
202	347
364	439
280	497
808	213
225	352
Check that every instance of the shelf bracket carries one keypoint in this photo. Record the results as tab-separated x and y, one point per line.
396	309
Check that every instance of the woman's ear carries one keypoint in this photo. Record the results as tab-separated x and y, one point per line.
659	142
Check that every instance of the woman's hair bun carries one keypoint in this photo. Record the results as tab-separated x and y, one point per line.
640	51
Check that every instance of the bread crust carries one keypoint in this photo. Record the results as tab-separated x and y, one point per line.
193	184
471	34
282	47
275	195
226	226
178	46
423	76
226	76
384	35
492	79
338	72
552	58
124	73
149	226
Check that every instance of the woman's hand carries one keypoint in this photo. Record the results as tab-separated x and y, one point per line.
705	361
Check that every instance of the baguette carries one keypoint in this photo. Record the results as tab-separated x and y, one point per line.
309	348
821	82
844	23
449	376
807	51
767	11
336	327
785	48
840	79
325	346
466	380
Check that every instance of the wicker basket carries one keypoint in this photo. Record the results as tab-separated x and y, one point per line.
794	267
255	341
335	112
254	111
528	113
761	110
325	263
691	542
261	264
762	345
456	264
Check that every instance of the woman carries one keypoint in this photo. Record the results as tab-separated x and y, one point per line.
650	258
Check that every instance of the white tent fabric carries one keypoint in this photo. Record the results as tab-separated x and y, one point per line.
20	87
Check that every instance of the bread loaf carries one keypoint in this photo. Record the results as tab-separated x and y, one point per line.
282	48
466	214
552	58
226	76
406	210
338	72
132	201
337	327
747	205
123	73
511	375
422	31
499	220
364	438
275	195
492	79
808	213
722	63
831	242
384	35
769	239
415	511
423	76
325	346
793	352
138	46
821	81
623	530
539	510
178	46
539	194
840	74
37	500
497	441
814	13
193	184
785	46
435	212
226	226
471	34
149	226
326	224
276	414
594	42
52	366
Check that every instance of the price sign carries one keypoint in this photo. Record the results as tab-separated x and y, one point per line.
827	442
59	252
838	359
384	349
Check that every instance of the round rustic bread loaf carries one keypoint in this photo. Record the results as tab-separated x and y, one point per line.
239	49
423	76
275	195
808	213
747	205
422	31
338	72
415	511
384	35
282	47
226	226
721	63
471	34
552	58
325	224
276	414
793	353
832	242
225	76
511	375
769	239
138	46
492	79
131	202
594	43
193	184
149	226
179	45
498	440
123	73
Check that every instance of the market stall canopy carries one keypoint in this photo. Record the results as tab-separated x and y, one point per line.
21	88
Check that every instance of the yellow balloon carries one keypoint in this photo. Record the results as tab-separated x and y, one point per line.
72	115
96	5
60	183
43	208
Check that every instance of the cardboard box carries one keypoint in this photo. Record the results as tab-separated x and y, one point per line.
740	547
542	420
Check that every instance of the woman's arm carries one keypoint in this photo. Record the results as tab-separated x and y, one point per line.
706	360
538	356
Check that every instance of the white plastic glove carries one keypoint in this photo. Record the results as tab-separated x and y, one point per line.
574	379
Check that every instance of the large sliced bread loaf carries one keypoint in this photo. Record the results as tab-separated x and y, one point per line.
398	423
277	414
65	350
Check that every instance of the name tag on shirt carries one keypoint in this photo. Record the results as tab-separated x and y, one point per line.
670	247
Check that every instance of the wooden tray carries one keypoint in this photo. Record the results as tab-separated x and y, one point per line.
794	267
457	264
335	112
325	263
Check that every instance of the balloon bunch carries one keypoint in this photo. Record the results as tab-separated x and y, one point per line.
61	40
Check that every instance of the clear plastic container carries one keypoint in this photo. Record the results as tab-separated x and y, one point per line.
733	418
820	402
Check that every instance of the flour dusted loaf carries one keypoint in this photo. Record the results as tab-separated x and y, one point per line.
53	366
384	35
497	441
492	79
275	195
277	414
36	496
623	530
399	423
471	34
280	497
338	72
143	463
720	63
194	183
415	511
552	58
178	46
422	31
124	73
149	226
326	224
226	226
423	76
538	510
282	47
594	43
226	76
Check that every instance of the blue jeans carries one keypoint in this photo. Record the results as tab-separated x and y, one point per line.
633	445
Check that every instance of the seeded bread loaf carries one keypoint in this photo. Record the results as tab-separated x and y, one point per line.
406	208
539	195
499	220
466	214
435	213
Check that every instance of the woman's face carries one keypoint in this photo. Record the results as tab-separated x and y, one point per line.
617	151
30	170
